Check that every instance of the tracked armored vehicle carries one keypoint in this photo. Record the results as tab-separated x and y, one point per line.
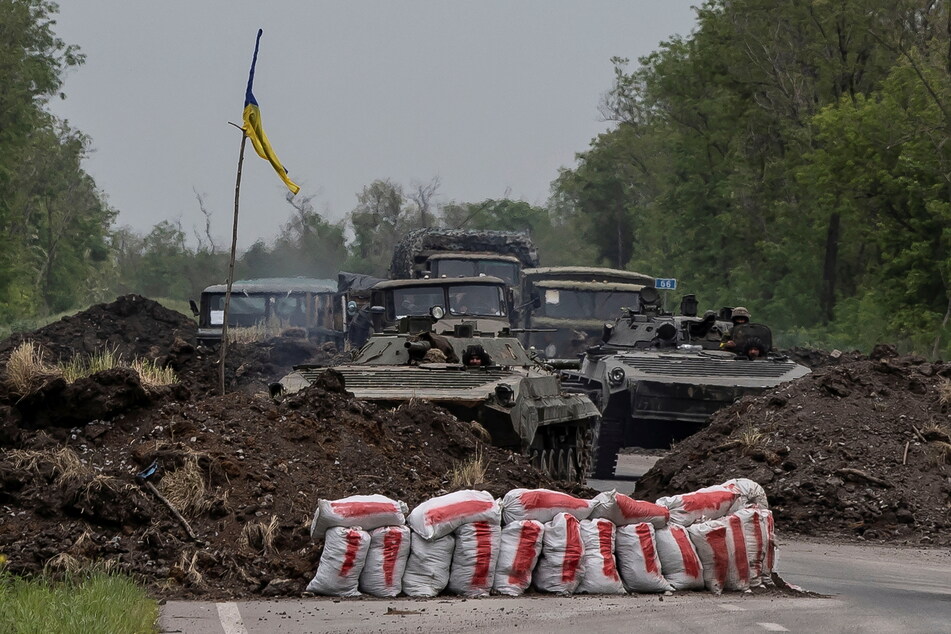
657	378
485	377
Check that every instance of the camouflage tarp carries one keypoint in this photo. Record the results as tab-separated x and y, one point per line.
419	244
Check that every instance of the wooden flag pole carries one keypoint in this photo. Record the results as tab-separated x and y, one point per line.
234	248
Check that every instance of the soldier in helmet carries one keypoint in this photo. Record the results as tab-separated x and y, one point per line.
740	317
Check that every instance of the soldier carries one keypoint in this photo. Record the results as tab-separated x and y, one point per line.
741	316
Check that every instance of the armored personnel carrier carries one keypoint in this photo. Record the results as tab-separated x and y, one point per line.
658	377
481	376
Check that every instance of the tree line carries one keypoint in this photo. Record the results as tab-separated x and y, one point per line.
791	157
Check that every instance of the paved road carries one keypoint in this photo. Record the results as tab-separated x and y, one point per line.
870	588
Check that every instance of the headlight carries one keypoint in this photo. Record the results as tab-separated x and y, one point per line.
616	376
437	312
550	351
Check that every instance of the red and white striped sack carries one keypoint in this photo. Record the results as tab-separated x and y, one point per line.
722	549
637	560
623	510
600	567
559	567
382	574
521	545
708	503
427	567
678	558
542	505
442	515
338	572
751	493
760	547
365	511
474	559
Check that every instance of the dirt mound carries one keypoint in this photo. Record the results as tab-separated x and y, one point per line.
858	449
814	358
245	472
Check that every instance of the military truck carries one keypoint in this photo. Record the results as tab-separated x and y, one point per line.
463	253
565	307
484	376
272	304
658	377
482	300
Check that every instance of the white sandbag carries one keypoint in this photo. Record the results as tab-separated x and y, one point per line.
542	505
678	558
474	559
442	515
338	572
600	567
382	574
366	511
722	550
521	545
769	564
708	503
751	493
622	510
560	567
637	559
427	567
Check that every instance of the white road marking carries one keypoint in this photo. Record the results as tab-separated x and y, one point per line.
230	618
729	607
772	627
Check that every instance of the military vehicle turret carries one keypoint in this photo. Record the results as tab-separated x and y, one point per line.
481	376
658	377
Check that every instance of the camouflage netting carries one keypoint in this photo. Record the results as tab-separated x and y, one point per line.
418	241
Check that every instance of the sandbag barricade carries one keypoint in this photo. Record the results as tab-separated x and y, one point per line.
441	515
382	574
678	558
755	523
542	505
600	567
560	567
708	503
427	567
366	511
474	559
722	549
638	563
623	510
751	493
338	572
520	548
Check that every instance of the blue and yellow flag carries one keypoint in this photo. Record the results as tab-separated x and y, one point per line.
255	130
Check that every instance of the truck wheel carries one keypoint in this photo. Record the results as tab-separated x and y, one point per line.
607	442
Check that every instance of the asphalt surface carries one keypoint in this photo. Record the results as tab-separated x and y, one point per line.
868	588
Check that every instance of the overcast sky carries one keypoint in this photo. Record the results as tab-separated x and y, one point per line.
488	95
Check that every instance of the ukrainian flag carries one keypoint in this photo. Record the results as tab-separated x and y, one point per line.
255	130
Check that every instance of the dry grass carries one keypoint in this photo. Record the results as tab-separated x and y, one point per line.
941	453
480	432
751	438
468	473
92	488
152	375
944	392
65	463
184	488
27	370
63	564
189	566
80	367
259	536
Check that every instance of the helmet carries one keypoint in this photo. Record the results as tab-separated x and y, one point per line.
740	311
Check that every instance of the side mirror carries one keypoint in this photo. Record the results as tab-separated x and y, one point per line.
376	315
536	301
194	307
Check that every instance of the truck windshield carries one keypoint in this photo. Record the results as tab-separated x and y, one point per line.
244	310
476	299
507	271
413	302
575	304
